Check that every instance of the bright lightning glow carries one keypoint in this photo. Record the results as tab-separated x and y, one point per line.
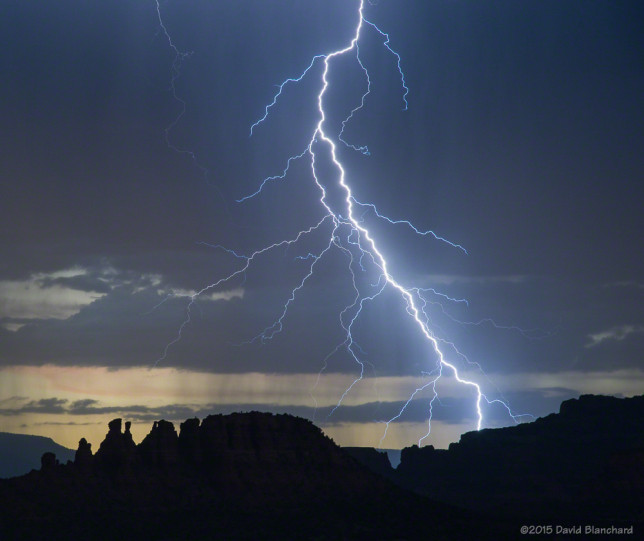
343	217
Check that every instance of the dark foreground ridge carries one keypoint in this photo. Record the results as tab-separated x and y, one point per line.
584	465
240	476
263	476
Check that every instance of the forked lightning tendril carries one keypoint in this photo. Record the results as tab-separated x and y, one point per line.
349	236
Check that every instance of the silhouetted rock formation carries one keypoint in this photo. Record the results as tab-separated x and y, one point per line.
264	476
84	455
118	449
587	462
48	461
270	453
189	441
161	446
376	461
239	476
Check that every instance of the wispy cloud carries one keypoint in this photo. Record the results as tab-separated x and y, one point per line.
237	293
618	333
63	293
44	405
47	296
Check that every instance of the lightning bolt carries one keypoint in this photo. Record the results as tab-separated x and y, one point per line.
177	62
348	235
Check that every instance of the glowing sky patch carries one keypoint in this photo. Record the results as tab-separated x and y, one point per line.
72	402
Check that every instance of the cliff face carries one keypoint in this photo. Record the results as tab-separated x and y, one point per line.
377	461
586	461
269	452
239	476
251	455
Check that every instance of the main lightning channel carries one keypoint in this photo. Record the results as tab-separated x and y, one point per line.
351	237
412	309
364	240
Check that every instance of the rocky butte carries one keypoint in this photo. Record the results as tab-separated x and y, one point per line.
584	464
240	476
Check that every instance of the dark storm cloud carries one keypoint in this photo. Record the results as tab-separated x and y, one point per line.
110	332
84	118
522	143
137	412
81	404
132	324
44	405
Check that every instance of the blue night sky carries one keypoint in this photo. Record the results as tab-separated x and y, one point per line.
126	147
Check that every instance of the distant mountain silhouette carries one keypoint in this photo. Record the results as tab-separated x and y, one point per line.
20	453
239	476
